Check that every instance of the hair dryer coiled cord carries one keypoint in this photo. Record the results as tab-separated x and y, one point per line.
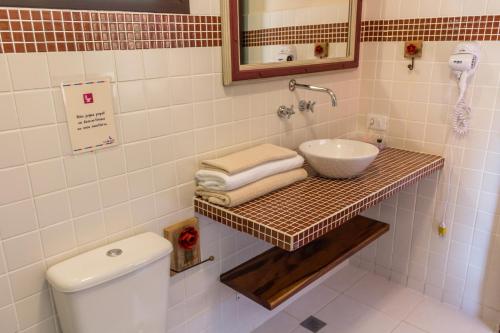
461	117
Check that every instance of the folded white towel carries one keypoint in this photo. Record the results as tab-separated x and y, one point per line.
220	181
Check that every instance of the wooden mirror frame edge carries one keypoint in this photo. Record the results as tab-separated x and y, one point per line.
156	6
231	58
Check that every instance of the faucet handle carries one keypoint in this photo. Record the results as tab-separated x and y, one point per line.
306	106
311	106
285	112
303	105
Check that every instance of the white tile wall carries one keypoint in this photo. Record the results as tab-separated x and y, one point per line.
11	151
456	269
8	117
58	205
172	112
318	13
41	143
18	218
47	176
98	64
65	67
29	71
16	180
393	9
269	53
35	107
5	82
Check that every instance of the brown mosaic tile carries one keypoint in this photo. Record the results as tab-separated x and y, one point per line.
298	214
143	30
432	29
306	34
140	31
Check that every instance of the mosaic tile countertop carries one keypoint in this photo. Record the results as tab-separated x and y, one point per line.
300	213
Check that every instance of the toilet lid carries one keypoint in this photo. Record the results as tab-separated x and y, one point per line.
108	262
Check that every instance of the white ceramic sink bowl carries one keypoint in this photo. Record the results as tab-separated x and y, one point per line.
339	158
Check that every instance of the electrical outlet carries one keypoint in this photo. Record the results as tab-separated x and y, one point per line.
377	122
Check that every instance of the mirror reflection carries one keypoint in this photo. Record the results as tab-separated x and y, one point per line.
275	31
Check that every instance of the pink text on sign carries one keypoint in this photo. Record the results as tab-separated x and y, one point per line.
88	98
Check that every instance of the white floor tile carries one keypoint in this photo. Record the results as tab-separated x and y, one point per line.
372	305
281	323
345	278
385	296
376	322
311	302
406	328
343	309
434	317
301	329
345	315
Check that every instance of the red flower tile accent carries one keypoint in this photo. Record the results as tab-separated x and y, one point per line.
298	214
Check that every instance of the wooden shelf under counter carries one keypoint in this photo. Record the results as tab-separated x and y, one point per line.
276	275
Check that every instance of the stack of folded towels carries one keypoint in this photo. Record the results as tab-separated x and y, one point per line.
243	176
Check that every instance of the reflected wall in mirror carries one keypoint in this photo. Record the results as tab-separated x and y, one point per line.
266	38
293	30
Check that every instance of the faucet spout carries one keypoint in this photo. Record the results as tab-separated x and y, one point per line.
293	85
333	97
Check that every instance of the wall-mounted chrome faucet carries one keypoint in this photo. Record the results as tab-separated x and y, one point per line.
285	112
293	85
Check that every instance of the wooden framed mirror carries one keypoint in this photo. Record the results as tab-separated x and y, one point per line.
269	38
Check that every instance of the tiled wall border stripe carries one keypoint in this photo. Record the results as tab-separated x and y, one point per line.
468	28
304	34
477	28
34	30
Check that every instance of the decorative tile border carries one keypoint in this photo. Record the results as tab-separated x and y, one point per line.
34	30
305	34
296	215
468	28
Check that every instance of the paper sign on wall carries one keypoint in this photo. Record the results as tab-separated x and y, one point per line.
89	109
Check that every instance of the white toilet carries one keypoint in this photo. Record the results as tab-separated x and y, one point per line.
118	288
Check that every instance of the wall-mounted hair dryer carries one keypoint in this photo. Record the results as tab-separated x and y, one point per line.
463	63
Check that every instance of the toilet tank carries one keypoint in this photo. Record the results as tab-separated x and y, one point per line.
118	288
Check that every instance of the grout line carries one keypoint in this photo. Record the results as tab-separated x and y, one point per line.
25	166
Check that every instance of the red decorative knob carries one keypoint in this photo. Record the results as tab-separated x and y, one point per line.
319	49
188	238
411	49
